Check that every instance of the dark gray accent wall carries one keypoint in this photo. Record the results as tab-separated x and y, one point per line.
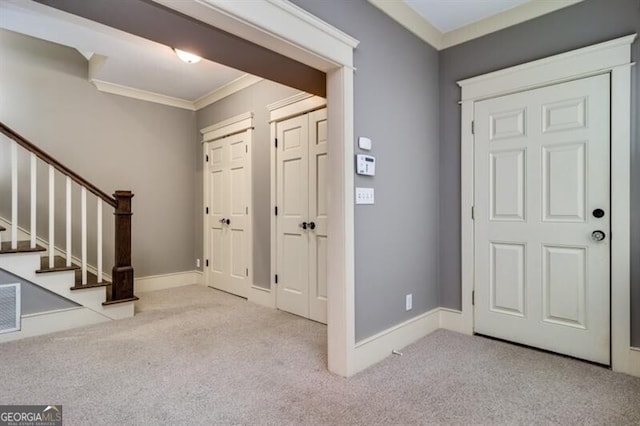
33	298
252	99
396	105
113	141
586	23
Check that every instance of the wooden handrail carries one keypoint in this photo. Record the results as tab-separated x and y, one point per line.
20	140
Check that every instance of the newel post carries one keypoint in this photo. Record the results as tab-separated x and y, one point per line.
122	286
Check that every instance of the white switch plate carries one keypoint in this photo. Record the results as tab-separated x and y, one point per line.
364	196
409	302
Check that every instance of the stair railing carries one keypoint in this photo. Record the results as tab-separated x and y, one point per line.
122	272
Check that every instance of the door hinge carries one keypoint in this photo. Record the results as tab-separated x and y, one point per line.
247	271
276	210
207	263
276	278
473	212
246	148
207	158
276	142
473	127
206	210
246	210
473	298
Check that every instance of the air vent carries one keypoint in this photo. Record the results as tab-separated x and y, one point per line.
9	308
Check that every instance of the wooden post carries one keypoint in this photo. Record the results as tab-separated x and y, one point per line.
122	286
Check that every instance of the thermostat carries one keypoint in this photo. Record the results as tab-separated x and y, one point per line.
366	165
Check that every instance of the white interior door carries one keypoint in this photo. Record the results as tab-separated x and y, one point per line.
292	241
542	171
228	192
301	175
318	212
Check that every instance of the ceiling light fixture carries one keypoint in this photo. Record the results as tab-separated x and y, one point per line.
187	57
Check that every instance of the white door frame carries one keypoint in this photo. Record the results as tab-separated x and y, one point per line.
287	29
609	57
233	125
279	111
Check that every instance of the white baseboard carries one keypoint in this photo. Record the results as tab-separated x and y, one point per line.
161	282
634	362
376	348
451	319
50	322
262	296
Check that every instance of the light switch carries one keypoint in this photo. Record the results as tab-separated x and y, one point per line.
364	196
364	143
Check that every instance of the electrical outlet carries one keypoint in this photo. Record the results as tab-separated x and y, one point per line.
197	263
409	302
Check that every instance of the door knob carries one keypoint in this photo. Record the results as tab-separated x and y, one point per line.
598	235
598	213
222	221
303	225
312	225
228	221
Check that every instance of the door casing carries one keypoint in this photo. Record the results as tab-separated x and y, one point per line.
609	57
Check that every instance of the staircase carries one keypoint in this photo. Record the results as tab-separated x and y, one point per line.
36	258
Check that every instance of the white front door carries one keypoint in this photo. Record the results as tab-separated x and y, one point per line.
227	197
542	195
301	236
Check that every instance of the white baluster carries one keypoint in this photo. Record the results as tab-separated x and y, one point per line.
52	209
84	235
99	240
14	195
68	221
34	186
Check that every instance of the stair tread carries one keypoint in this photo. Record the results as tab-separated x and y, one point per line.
23	247
114	302
92	281
59	264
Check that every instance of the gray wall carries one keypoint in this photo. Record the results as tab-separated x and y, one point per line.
586	23
396	105
253	99
33	298
115	142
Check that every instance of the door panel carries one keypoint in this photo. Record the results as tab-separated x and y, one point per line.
228	198
302	197
541	167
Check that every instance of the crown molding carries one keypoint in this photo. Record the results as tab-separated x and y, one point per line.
228	89
422	28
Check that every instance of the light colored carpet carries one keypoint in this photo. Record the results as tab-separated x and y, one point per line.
194	355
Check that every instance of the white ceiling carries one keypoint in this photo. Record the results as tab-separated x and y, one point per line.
120	59
449	15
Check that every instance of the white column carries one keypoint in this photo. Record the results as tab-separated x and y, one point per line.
34	186
69	204
99	251
52	208
84	234
14	195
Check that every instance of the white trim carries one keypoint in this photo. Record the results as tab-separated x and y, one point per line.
634	362
227	127
228	89
143	95
508	18
52	321
161	282
288	30
379	346
403	14
604	57
451	319
262	296
294	105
